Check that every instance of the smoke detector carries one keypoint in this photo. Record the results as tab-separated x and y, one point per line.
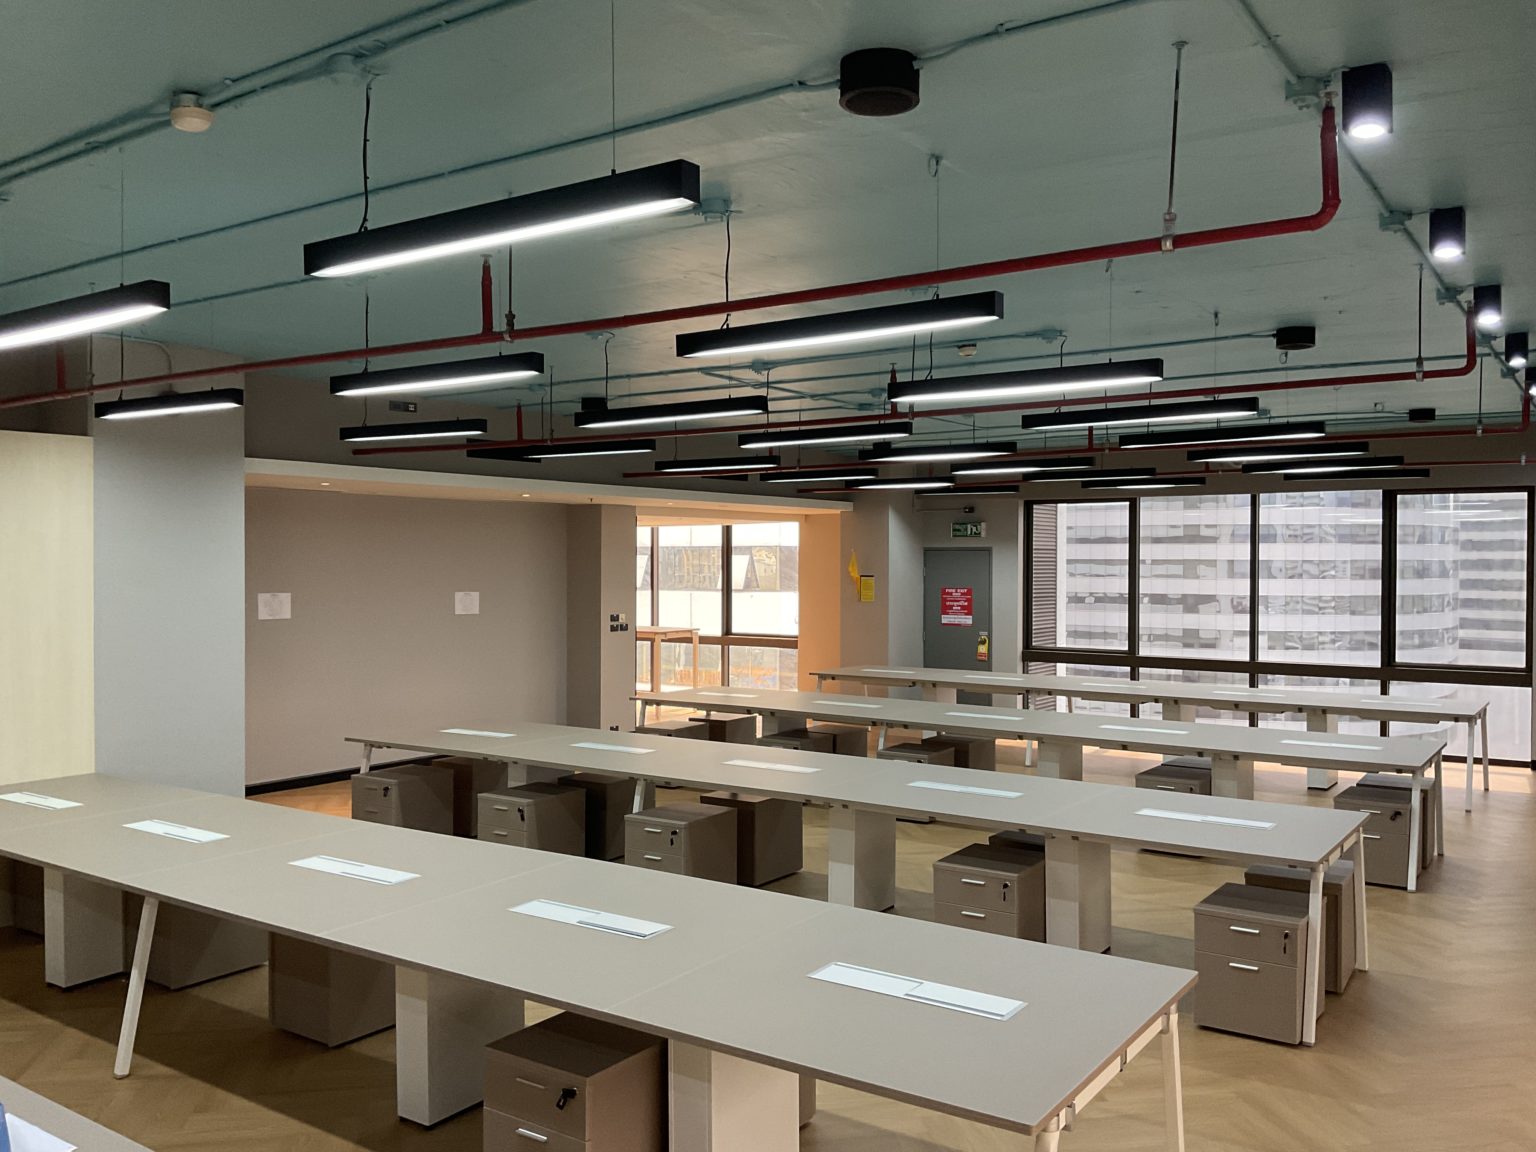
878	82
966	350
188	113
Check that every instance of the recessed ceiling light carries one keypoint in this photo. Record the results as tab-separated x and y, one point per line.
845	327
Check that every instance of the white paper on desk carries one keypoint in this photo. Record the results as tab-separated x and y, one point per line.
729	695
922	991
592	918
970	789
770	766
351	868
38	800
177	831
1141	728
985	715
1333	744
1246	695
1203	818
597	747
476	732
849	704
28	1137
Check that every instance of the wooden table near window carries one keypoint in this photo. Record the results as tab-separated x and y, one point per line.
656	635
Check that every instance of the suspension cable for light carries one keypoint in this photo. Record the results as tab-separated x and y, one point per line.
1232	434
789	436
474	373
1027	467
720	464
595	412
933	453
846	327
1222	409
1030	382
414	430
171	404
612	199
1259	453
97	312
565	449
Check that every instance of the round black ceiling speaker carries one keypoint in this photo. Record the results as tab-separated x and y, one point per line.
1295	338
878	82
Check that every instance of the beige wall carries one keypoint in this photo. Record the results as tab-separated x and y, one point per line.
46	656
374	642
824	581
600	567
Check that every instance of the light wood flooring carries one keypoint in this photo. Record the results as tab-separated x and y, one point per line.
1433	1049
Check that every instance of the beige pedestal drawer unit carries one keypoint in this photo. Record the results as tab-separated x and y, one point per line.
687	839
1168	777
1338	913
328	995
728	727
1429	805
769	836
994	888
800	739
470	778
1250	951
409	796
847	739
609	799
917	754
1388	814
687	729
544	816
573	1084
970	751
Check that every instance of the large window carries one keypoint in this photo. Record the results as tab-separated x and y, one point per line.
765	579
1082	575
1192	578
1320	577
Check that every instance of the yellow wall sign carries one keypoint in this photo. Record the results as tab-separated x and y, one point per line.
866	589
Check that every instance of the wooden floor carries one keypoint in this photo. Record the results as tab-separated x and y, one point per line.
1433	1049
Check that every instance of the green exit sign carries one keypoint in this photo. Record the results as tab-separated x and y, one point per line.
959	529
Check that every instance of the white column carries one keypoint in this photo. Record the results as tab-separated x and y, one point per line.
1322	779
1063	761
723	1103
442	1025
861	858
1077	893
82	929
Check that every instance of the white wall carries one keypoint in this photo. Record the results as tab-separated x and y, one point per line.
374	643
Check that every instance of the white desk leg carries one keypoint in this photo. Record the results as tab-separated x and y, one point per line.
1062	761
861	858
1321	779
135	999
807	1099
442	1025
1362	936
82	929
1484	725
1310	1006
1173	1083
1471	758
723	1103
1077	893
1415	831
1439	806
1048	1139
367	759
1232	777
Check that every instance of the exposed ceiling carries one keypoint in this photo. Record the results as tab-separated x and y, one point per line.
1050	138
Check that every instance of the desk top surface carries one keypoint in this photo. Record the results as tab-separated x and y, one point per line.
57	1120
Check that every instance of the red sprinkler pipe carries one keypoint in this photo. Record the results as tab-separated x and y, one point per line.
1288	226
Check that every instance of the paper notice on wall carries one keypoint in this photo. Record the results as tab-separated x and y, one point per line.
274	605
956	607
466	603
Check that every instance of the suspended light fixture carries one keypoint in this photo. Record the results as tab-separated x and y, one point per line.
1367	93
846	327
908	483
415	430
933	453
1260	454
1149	484
1100	474
1026	467
976	490
1517	349
97	312
475	373
1488	305
1033	382
1448	233
1231	434
819	475
566	449
1145	414
595	412
613	199
787	437
1365	474
1530	379
171	404
720	464
1311	467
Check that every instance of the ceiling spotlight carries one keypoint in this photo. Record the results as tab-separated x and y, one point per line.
78	315
1295	338
814	475
878	82
1150	484
415	430
595	412
1320	467
171	404
1448	233
565	449
1517	349
1260	454
1488	305
1033	382
188	113
1232	434
1028	467
933	453
1145	414
1367	93
1530	379
915	484
788	436
720	464
432	377
846	327
614	199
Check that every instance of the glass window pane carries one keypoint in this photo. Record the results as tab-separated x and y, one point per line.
1080	555
688	577
1192	579
1339	684
677	665
1509	720
755	667
643	578
765	580
1461	563
1320	577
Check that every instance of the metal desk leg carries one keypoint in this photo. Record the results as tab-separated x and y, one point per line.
1471	759
861	858
1484	726
82	929
1321	779
1362	938
1232	777
722	1103
1310	1006
696	659
1077	893
1440	805
1173	1083
1062	761
367	759
1048	1139
442	1025
1415	831
136	974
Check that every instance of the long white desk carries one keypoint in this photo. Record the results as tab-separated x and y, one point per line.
1081	822
1322	708
60	1123
731	965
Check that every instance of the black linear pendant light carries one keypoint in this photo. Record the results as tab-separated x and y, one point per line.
566	449
845	327
97	312
479	372
597	413
1148	483
171	404
1027	467
1261	453
1229	434
1176	412
789	435
819	475
1033	382
414	430
720	464
934	453
1312	467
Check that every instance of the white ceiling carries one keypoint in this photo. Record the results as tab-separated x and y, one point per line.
1051	139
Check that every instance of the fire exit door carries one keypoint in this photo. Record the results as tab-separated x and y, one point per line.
957	608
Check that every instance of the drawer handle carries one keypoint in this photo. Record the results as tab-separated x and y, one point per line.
654	831
523	1132
1244	967
1244	931
648	856
499	807
530	1083
498	832
1165	787
973	915
1371	811
1370	836
968	880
